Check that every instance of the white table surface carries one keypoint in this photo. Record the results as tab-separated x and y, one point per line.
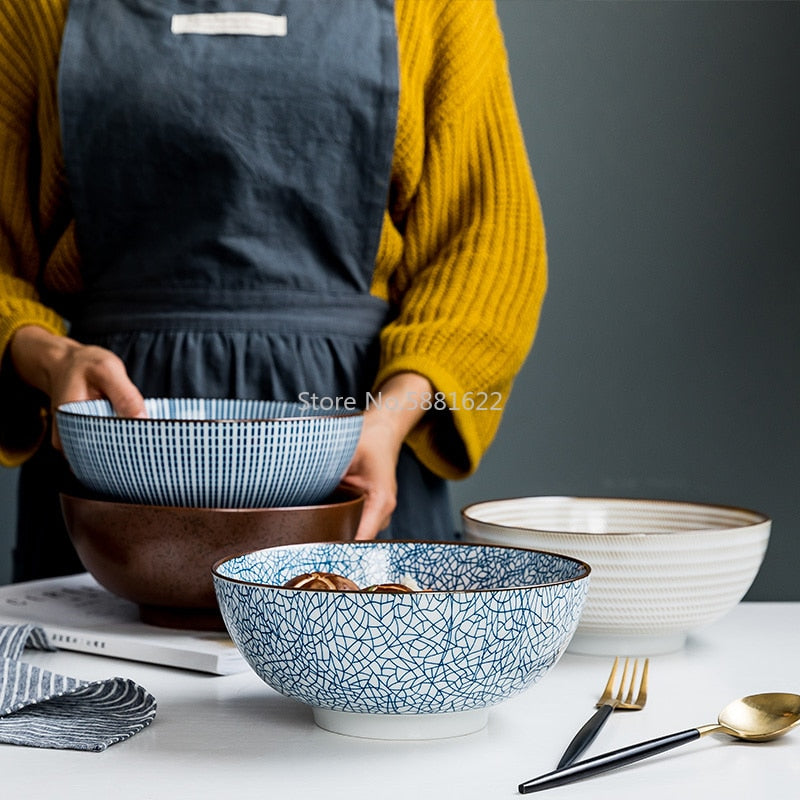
234	737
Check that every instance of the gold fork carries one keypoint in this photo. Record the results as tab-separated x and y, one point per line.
607	703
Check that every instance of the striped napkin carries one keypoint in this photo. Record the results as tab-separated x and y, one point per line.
41	709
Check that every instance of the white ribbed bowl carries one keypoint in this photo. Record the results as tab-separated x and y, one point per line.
660	569
209	452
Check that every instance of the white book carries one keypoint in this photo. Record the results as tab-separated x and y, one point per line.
79	614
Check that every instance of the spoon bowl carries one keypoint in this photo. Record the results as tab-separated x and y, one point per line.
759	717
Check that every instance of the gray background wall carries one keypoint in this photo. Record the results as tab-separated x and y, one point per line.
664	139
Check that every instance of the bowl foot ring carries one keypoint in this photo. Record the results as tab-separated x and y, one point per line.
626	645
402	726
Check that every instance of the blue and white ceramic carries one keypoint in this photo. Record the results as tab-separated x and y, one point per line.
428	664
210	453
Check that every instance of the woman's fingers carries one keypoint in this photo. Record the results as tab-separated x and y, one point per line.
378	508
66	371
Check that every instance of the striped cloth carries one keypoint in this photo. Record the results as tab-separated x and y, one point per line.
41	709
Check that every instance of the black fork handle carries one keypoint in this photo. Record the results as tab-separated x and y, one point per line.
586	735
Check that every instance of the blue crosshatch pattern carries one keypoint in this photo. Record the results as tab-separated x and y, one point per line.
205	452
496	619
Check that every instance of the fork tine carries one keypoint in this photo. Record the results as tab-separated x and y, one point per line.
641	698
609	690
629	696
623	680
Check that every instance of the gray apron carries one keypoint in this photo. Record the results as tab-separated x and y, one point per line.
228	188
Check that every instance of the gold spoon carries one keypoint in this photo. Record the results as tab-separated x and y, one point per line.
756	718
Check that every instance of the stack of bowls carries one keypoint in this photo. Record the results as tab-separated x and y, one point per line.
161	498
660	569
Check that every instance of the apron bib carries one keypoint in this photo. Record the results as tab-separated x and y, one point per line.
229	190
228	164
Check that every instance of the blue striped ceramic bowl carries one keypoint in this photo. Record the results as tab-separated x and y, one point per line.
427	664
209	453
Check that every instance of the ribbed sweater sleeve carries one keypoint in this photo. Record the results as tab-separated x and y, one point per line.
25	38
472	275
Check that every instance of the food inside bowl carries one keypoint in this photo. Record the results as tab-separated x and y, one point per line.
331	582
321	581
389	588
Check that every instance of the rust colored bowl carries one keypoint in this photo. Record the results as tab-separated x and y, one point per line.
160	557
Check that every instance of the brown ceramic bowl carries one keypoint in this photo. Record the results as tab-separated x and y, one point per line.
160	557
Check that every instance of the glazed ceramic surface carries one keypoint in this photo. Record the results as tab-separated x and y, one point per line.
660	569
160	557
494	620
209	453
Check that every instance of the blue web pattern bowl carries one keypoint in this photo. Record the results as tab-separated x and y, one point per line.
422	665
209	453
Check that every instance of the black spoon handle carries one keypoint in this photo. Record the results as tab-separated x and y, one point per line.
608	761
585	736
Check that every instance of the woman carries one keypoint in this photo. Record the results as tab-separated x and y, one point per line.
276	199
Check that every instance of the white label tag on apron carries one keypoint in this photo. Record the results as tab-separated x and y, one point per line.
238	23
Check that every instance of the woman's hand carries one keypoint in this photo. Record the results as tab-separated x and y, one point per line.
66	370
374	464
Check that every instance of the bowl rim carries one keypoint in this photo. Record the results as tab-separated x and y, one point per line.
585	573
64	410
354	497
759	518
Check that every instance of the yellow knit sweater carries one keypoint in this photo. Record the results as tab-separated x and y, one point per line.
462	249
